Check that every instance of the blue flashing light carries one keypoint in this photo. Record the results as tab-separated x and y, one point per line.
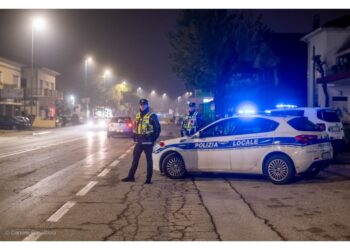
268	111
246	111
285	106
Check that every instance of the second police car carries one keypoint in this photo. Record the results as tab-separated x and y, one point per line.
278	147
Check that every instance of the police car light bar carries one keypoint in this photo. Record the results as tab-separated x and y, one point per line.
285	106
246	112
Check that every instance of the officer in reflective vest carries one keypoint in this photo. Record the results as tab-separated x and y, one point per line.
192	122
146	132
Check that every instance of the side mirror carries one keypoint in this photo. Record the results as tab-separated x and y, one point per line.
197	135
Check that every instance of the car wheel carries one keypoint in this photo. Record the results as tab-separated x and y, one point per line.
279	169
174	166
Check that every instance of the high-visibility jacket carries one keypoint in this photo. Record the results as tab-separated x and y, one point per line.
143	125
190	121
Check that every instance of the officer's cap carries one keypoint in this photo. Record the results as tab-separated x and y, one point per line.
143	101
192	104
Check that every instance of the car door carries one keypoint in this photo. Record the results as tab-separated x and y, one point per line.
252	138
211	148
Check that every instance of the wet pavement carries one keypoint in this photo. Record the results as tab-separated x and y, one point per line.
66	185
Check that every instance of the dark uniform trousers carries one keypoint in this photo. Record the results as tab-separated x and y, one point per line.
147	148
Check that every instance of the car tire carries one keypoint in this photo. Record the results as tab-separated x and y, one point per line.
174	166
279	169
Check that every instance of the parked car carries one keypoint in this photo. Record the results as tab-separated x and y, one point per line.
11	122
326	119
120	126
277	147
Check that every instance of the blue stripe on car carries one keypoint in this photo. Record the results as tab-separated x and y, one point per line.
244	143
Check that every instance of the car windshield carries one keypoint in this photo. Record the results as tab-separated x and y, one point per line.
303	124
328	115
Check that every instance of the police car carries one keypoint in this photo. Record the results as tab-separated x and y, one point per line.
278	147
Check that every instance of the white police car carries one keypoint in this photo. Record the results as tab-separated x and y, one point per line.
278	147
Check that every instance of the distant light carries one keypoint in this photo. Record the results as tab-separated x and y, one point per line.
124	82
179	98
107	73
190	93
247	111
153	92
39	23
89	60
207	99
139	89
268	111
286	106
164	95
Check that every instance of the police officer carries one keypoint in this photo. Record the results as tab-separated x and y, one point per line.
192	122
146	132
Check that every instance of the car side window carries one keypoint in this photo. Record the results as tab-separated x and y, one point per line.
222	128
255	125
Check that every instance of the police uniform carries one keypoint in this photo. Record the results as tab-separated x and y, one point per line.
146	131
191	123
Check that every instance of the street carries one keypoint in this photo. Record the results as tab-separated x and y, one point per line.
64	184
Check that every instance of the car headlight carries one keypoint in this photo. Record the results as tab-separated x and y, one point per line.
102	123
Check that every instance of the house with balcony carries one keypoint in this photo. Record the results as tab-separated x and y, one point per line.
40	92
11	94
331	44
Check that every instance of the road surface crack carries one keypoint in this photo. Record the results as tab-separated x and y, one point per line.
266	221
207	210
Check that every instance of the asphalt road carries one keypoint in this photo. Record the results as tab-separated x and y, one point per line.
65	185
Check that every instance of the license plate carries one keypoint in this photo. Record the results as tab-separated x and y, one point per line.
326	155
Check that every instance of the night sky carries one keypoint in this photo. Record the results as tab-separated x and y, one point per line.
132	43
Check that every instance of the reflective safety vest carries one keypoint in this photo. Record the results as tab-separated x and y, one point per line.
190	121
143	125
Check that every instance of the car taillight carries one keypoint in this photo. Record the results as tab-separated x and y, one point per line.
162	144
321	126
305	139
130	125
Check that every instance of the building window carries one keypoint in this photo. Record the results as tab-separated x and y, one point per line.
15	80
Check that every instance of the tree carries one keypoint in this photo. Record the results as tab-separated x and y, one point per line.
213	49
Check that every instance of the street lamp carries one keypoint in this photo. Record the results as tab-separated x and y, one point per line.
72	97
87	61
39	24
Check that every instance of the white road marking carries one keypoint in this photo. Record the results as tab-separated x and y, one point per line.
42	133
128	151
122	156
61	212
37	148
33	236
87	188
104	172
115	163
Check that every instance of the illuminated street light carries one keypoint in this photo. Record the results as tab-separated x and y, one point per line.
106	73
72	97
139	89
164	95
153	92
87	61
39	24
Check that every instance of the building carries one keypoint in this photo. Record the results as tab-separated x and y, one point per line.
331	44
41	96
11	94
